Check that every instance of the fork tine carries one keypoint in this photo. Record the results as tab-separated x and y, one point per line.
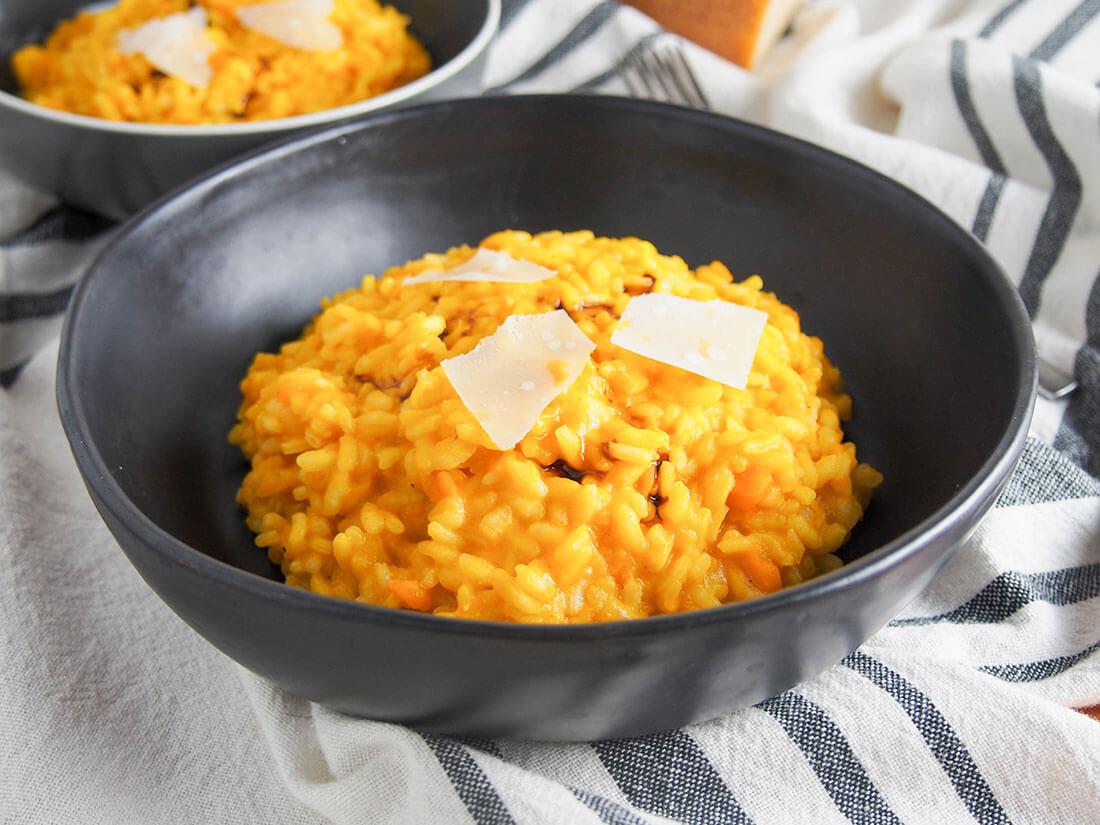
668	81
630	72
693	93
651	74
641	76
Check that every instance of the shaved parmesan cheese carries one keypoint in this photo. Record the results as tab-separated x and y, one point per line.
487	265
714	339
509	378
178	45
302	24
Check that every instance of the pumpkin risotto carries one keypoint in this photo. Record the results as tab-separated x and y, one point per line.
641	488
114	63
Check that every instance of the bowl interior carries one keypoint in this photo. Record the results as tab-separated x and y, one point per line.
926	331
445	27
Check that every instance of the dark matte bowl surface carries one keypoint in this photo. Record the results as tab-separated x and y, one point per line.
114	169
932	340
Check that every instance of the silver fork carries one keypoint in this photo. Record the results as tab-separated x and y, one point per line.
659	71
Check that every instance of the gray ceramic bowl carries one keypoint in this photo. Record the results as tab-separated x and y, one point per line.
116	168
931	337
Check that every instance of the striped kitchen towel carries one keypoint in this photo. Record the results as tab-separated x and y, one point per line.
965	708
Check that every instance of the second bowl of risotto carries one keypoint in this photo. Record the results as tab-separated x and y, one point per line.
110	105
593	418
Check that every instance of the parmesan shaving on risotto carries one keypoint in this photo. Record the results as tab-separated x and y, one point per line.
510	377
303	24
714	339
633	487
486	265
177	45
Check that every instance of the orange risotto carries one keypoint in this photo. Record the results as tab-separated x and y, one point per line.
82	68
641	489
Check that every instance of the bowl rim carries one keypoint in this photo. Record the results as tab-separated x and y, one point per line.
437	76
982	487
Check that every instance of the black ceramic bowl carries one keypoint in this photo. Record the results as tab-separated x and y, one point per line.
116	168
931	338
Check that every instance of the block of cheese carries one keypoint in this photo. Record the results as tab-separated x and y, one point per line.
739	30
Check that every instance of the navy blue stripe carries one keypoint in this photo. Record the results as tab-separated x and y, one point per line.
607	810
1064	199
667	774
960	87
9	376
1038	671
586	28
1000	17
470	782
1011	591
480	743
987	206
596	81
62	223
941	739
829	754
1066	30
21	306
1045	473
509	11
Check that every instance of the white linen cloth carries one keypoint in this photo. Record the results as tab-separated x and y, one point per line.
962	709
